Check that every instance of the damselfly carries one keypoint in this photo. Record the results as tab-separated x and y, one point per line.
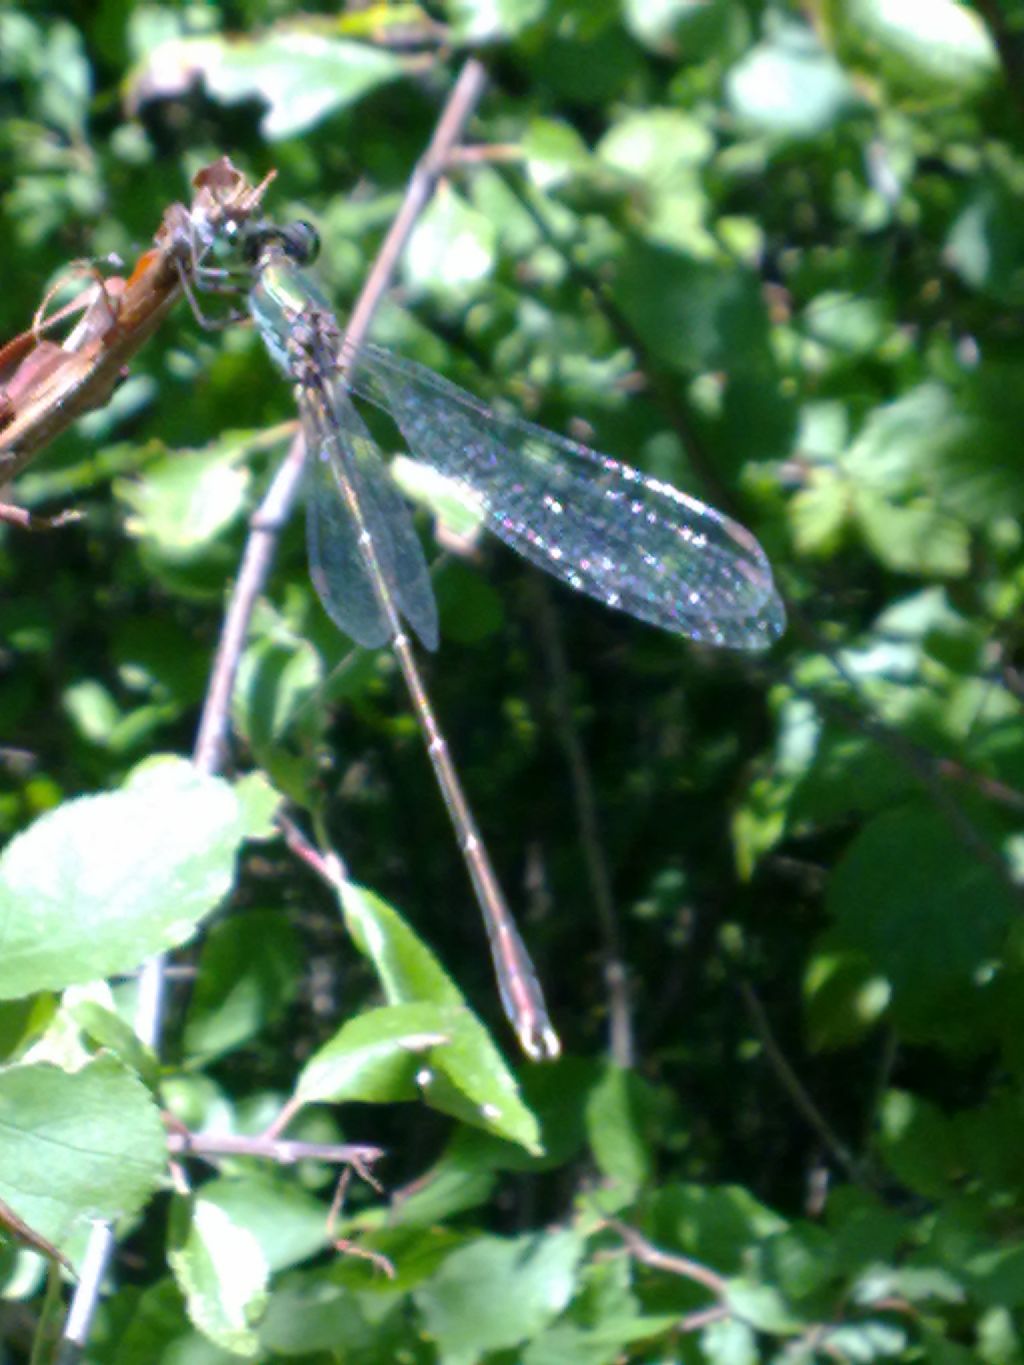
636	543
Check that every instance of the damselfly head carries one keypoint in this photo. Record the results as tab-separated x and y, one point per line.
302	241
299	240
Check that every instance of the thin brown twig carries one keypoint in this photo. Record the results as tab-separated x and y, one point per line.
327	866
345	1245
281	1151
1000	793
673	1262
686	1268
797	1091
22	1232
703	1317
488	153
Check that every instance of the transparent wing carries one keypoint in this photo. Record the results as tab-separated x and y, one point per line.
347	473
633	542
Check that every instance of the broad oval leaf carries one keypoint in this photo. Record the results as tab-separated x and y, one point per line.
100	883
79	1146
223	1274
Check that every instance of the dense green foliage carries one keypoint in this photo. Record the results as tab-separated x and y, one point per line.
768	252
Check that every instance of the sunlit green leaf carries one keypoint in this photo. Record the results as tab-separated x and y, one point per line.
407	969
289	1224
222	1272
300	73
497	1293
375	1057
452	247
936	48
437	1052
924	911
691	30
98	884
75	1147
614	1123
184	502
789	86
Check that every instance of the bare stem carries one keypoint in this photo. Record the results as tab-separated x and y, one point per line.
282	1151
684	1266
797	1091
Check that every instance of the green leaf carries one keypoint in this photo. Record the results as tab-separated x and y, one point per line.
730	1342
862	1230
554	152
868	1341
75	1147
847	327
467	1076
938	49
844	997
762	1306
375	1057
186	500
258	804
103	1028
470	1080
662	148
696	315
452	247
152	1325
484	21
716	1224
222	1272
277	682
462	1178
986	243
916	539
92	709
894	450
972	465
996	1275
567	1344
439	1052
925	911
614	1109
53	57
313	1314
289	1224
97	885
472	610
664	154
495	1293
452	505
301	74
881	1284
408	971
920	1145
23	1020
789	86
688	30
248	975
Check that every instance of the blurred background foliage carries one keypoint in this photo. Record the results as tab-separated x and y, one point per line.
769	252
